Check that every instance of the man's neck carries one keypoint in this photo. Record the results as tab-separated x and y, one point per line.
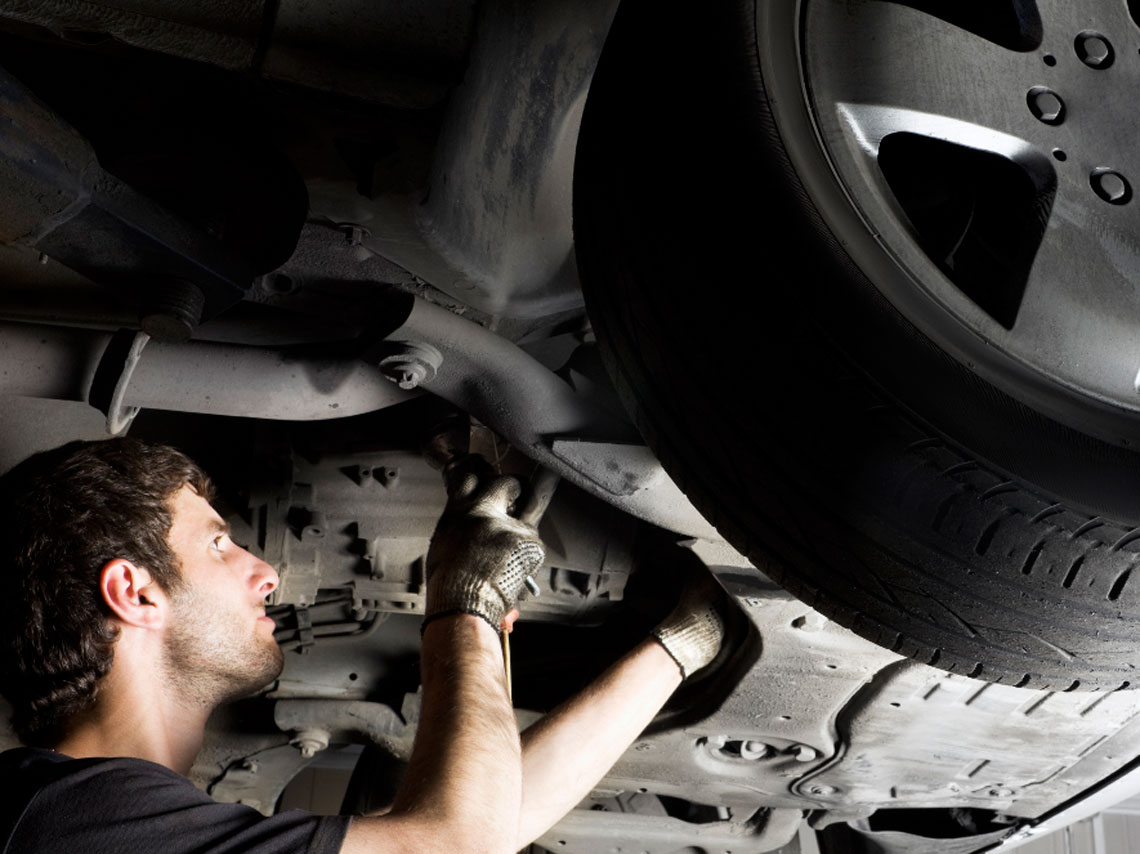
140	718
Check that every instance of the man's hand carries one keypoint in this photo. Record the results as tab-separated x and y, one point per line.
480	556
463	786
693	633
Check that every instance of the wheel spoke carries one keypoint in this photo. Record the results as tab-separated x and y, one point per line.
885	67
1079	308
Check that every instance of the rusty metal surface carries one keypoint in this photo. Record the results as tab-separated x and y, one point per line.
493	229
500	210
46	166
395	52
402	52
60	201
218	31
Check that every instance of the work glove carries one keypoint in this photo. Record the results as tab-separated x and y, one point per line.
694	631
480	556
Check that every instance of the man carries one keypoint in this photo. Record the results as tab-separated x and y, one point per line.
129	615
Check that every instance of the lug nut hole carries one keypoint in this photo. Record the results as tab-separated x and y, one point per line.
1046	105
1094	50
1111	186
1049	59
1060	155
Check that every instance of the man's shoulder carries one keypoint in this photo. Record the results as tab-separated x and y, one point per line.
56	803
41	758
34	768
38	786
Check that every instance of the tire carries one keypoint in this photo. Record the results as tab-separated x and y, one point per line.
875	476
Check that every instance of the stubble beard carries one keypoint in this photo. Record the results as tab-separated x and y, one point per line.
214	657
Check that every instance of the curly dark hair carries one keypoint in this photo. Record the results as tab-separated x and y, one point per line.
66	513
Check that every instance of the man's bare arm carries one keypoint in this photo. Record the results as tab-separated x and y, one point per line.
569	750
462	787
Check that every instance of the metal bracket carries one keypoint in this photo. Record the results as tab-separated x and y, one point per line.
113	376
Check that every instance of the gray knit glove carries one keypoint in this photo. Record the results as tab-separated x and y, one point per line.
480	556
692	634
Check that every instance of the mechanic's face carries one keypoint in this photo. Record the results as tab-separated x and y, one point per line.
219	642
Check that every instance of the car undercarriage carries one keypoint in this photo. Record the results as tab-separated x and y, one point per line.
291	239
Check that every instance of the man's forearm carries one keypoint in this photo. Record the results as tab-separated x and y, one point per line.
463	784
465	763
569	750
462	787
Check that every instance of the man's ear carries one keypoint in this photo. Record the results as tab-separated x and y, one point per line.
132	594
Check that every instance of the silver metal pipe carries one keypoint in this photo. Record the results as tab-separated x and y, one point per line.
255	382
544	417
219	379
483	374
49	361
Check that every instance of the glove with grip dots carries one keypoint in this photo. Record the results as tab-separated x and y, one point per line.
480	556
694	631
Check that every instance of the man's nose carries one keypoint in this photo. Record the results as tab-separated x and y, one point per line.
263	577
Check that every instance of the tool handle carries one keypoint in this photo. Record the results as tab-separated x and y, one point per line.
542	487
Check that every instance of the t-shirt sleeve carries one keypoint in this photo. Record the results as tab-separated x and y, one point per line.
122	806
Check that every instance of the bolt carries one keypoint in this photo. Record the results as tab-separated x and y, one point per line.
1093	50
249	765
1000	792
1111	186
1046	105
310	742
532	586
821	790
754	750
803	753
411	365
172	311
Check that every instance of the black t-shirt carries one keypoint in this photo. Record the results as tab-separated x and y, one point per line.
52	804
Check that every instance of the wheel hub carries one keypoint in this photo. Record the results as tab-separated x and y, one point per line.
930	144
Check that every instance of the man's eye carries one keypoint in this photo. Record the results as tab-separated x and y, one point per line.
218	543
